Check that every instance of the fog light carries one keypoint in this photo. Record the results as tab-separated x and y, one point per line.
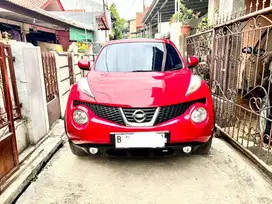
93	150
187	149
80	117
199	115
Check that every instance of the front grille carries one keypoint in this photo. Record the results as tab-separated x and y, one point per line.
106	112
149	112
170	112
113	114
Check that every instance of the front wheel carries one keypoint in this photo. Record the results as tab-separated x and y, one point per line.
205	148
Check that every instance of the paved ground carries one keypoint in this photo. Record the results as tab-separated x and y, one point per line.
222	177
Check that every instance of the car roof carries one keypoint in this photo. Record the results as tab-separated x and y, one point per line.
148	40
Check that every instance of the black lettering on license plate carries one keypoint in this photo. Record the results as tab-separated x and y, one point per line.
118	139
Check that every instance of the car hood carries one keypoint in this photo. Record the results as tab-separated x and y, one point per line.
140	89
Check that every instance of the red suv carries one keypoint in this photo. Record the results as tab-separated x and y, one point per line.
139	98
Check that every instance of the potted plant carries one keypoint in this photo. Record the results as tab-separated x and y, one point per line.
184	16
82	47
203	25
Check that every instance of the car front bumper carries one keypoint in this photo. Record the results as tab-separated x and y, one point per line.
168	150
179	130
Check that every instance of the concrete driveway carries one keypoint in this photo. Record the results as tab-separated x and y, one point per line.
220	178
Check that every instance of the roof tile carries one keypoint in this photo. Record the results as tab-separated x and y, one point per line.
25	3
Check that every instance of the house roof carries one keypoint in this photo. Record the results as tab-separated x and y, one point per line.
139	18
25	8
37	3
167	9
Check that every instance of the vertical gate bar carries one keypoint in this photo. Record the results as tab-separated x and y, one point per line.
226	64
229	75
239	123
45	74
56	74
52	75
49	71
13	81
251	65
245	63
257	61
7	98
71	71
212	58
244	127
269	146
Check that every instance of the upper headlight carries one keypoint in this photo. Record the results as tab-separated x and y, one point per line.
199	115
194	85
84	87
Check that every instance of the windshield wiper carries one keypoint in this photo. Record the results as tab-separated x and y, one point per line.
175	68
143	71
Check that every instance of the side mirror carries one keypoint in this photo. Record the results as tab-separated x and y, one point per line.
247	50
192	61
84	64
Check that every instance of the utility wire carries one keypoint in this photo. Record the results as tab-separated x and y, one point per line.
131	6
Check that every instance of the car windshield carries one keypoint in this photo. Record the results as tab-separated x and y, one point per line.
138	57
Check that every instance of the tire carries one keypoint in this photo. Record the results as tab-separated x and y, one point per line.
204	149
76	150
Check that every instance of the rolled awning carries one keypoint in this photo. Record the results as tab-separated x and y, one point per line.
80	35
102	22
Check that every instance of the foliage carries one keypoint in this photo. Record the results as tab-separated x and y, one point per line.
204	24
82	47
117	23
184	15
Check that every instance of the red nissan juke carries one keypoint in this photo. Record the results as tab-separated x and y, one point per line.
139	98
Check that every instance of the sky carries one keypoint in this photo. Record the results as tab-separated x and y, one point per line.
127	8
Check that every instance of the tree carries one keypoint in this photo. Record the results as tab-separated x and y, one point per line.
117	23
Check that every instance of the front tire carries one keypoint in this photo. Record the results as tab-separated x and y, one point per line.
205	148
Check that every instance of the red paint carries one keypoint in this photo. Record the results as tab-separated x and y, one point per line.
84	64
192	61
138	89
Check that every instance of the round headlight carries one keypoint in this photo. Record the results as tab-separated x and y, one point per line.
80	117
199	115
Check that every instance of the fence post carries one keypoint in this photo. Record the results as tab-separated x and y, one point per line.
31	89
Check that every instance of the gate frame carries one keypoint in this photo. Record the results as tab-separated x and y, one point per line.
262	165
50	74
9	111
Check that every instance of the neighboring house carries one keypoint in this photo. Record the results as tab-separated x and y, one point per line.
38	25
132	28
157	20
87	5
159	14
92	13
139	22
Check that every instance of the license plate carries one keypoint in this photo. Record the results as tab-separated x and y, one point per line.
140	140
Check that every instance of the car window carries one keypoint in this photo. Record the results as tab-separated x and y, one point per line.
138	56
172	60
